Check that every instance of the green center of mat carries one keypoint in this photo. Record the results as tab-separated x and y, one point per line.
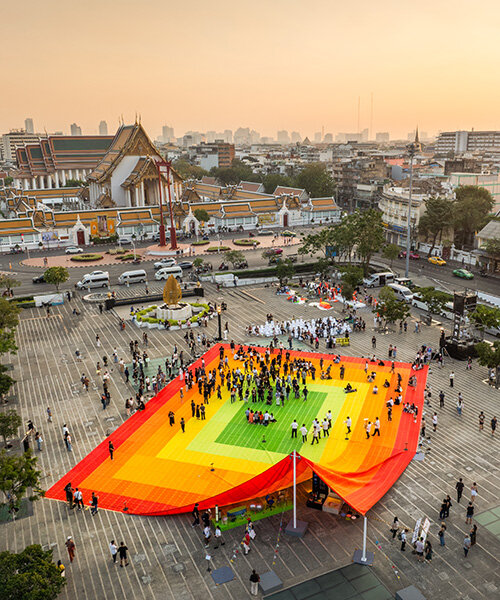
238	432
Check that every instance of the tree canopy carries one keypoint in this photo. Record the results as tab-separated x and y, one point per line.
233	257
188	171
9	318
489	356
56	276
10	422
438	216
238	171
435	299
316	180
284	270
17	474
390	308
472	206
391	252
30	575
202	215
8	282
485	317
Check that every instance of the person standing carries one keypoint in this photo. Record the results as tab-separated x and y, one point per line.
49	415
394	527
207	534
295	426
368	429
481	421
467	544
254	583
348	423
419	549
196	515
452	379
219	540
473	492
113	548
428	551
434	421
441	399
303	431
39	441
441	535
376	430
469	514
403	539
94	503
122	551
183	425
493	426
78	498
70	545
111	449
472	535
459	486
460	406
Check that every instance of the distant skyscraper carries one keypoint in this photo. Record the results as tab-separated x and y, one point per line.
75	129
283	137
167	134
317	137
228	136
103	128
382	136
364	135
296	137
328	138
28	126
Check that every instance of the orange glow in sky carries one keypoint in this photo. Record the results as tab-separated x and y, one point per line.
266	64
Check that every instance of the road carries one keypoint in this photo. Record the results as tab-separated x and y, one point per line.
421	271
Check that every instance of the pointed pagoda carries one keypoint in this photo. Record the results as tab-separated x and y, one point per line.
127	174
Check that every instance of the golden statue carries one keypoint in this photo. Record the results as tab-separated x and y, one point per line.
172	292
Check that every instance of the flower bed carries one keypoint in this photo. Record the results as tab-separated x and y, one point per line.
218	249
129	256
86	257
246	242
116	251
141	315
200	243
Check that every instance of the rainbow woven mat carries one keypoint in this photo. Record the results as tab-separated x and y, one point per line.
159	470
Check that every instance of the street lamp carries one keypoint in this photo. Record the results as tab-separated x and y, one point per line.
412	150
219	319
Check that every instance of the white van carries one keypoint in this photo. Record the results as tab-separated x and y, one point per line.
165	273
98	279
138	276
379	279
402	292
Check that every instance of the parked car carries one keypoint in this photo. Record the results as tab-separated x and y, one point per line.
39	278
74	250
165	262
413	255
185	264
463	273
265	232
123	240
436	260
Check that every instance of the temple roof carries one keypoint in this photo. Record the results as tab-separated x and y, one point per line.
319	204
17	226
60	152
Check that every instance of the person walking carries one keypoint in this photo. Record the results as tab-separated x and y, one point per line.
111	449
481	421
303	431
39	441
428	551
254	583
460	406
368	429
183	425
441	399
122	551
493	426
78	498
434	421
207	534
113	548
70	545
219	540
472	535
49	415
441	534
466	546
376	430
459	486
374	342
473	492
452	378
348	423
469	514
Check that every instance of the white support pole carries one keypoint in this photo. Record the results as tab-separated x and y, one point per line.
294	489
365	527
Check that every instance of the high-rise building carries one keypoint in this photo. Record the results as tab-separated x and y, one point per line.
283	137
328	139
103	128
75	129
167	134
28	125
228	136
457	142
296	137
382	136
317	137
242	135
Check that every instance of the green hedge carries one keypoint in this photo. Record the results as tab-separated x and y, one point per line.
116	251
246	242
110	239
271	271
86	257
200	243
218	248
129	256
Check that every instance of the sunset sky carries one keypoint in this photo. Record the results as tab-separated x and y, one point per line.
266	64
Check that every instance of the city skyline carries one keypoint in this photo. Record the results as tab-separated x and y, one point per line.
253	72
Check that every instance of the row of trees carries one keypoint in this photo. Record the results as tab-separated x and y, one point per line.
314	177
466	214
361	231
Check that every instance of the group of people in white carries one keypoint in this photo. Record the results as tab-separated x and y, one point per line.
300	328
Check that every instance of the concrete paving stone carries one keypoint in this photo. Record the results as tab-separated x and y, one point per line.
496	511
494	528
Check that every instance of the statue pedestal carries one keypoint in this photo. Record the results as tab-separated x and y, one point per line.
178	312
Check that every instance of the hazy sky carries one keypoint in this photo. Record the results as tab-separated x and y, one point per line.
265	64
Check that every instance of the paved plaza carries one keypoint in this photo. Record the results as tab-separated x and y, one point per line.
167	554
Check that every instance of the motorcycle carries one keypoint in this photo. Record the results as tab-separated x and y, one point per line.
223	267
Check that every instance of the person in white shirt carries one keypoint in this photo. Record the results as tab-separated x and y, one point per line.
303	431
434	421
348	423
113	548
325	427
368	429
295	426
376	430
